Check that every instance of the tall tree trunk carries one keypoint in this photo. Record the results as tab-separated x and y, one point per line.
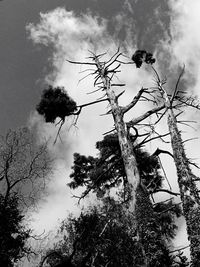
188	189
186	181
129	159
152	245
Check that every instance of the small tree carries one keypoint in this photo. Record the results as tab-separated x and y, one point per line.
101	175
24	167
107	171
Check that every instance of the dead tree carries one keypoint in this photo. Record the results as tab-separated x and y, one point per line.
24	167
140	205
186	179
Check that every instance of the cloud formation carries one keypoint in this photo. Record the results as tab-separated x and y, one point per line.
70	37
185	44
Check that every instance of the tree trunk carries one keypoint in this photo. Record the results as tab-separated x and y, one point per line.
153	246
188	189
129	159
140	205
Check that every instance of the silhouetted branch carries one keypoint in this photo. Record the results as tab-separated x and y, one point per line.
81	63
159	151
166	191
179	249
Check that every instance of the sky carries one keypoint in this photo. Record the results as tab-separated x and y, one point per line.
37	37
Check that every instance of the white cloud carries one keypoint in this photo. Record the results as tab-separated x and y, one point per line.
185	49
185	46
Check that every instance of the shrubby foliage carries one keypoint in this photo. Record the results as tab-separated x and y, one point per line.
54	103
13	235
106	234
107	171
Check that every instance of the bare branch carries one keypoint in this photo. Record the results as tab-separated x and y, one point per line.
176	87
146	140
145	115
189	101
179	249
159	151
80	63
166	191
92	103
164	201
162	115
118	84
113	58
189	139
109	131
164	172
134	101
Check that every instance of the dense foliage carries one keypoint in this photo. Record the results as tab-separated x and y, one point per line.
55	103
13	235
141	56
107	171
107	234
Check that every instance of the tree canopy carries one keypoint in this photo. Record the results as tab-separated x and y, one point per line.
106	233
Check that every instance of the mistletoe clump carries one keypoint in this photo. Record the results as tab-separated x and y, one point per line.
55	102
141	56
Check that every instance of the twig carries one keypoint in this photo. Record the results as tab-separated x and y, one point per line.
177	83
81	63
165	175
179	249
159	151
190	139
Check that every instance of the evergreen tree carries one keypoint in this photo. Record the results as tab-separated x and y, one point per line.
107	171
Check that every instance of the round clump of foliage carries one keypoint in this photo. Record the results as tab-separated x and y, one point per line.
56	103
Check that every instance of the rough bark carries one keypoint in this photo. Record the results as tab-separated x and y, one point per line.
186	181
129	159
153	246
140	205
188	190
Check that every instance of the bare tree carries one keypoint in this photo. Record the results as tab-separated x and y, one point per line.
24	167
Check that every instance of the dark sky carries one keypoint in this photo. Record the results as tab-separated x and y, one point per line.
23	66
